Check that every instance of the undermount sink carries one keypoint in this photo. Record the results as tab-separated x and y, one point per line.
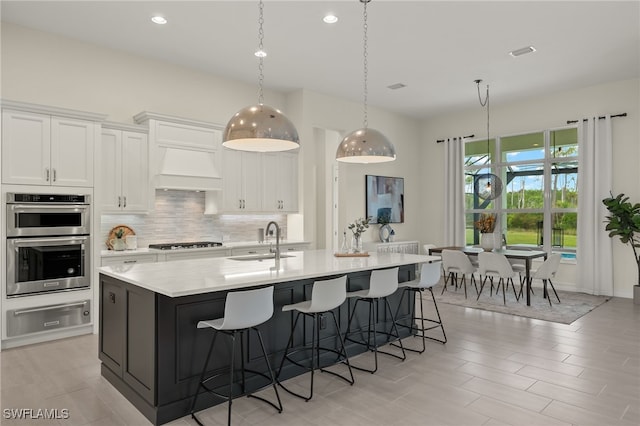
259	257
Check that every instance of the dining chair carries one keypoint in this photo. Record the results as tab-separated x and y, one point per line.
454	263
496	265
545	272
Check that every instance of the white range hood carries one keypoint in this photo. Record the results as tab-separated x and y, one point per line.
179	168
184	154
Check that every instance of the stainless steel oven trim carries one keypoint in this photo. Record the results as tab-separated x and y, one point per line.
63	284
14	231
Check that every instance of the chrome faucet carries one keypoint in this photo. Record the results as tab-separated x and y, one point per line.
277	250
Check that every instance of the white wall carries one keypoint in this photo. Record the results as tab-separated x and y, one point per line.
319	111
48	69
536	114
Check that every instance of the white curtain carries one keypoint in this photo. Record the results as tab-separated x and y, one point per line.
454	232
595	272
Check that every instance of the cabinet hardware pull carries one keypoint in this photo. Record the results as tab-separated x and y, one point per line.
55	177
47	170
50	323
125	201
48	308
130	261
119	201
239	204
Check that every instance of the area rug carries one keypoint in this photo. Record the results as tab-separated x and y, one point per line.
573	305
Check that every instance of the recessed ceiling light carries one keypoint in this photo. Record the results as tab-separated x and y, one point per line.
523	51
330	19
396	86
260	54
159	20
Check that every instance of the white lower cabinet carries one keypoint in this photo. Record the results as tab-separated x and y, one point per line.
187	254
129	260
250	250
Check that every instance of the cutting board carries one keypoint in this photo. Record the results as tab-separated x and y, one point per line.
112	234
365	254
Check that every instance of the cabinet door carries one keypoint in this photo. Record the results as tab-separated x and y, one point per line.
110	167
112	324
129	260
232	181
72	143
252	186
270	182
280	182
26	144
288	182
135	172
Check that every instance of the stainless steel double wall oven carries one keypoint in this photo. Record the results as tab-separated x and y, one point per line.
48	243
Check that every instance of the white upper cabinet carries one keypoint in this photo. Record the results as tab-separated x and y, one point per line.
280	181
41	148
259	182
124	171
241	181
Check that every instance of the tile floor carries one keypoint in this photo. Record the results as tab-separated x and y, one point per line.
495	370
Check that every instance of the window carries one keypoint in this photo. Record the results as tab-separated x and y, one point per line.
538	206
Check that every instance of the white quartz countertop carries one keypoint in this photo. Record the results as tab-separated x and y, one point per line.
225	246
197	276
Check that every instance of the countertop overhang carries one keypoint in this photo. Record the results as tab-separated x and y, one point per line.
198	276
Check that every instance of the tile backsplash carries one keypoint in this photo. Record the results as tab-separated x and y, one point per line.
179	216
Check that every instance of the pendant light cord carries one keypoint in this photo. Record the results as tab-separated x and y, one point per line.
261	56
485	103
365	27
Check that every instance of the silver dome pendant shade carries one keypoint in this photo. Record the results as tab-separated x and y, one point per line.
365	145
260	127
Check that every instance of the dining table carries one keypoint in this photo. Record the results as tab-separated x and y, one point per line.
520	253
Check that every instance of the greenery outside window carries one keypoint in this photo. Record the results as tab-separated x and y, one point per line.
538	206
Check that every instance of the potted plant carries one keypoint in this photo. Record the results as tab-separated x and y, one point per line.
624	222
486	225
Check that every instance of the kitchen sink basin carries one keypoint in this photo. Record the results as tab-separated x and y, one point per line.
259	257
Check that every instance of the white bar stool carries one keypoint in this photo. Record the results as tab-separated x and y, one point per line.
243	311
325	296
429	277
383	283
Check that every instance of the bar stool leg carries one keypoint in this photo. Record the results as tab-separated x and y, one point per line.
271	375
202	375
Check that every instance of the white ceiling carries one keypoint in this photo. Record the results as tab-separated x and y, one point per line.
436	48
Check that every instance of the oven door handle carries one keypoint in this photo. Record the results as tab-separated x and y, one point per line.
56	240
44	207
47	308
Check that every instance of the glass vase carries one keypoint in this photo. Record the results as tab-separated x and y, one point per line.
356	244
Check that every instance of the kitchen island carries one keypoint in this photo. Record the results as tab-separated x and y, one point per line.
151	350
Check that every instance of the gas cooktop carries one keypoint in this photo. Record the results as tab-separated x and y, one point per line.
180	246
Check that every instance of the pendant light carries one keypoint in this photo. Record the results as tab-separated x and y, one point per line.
487	186
260	128
365	145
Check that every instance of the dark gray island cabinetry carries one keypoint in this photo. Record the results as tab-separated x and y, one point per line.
151	350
